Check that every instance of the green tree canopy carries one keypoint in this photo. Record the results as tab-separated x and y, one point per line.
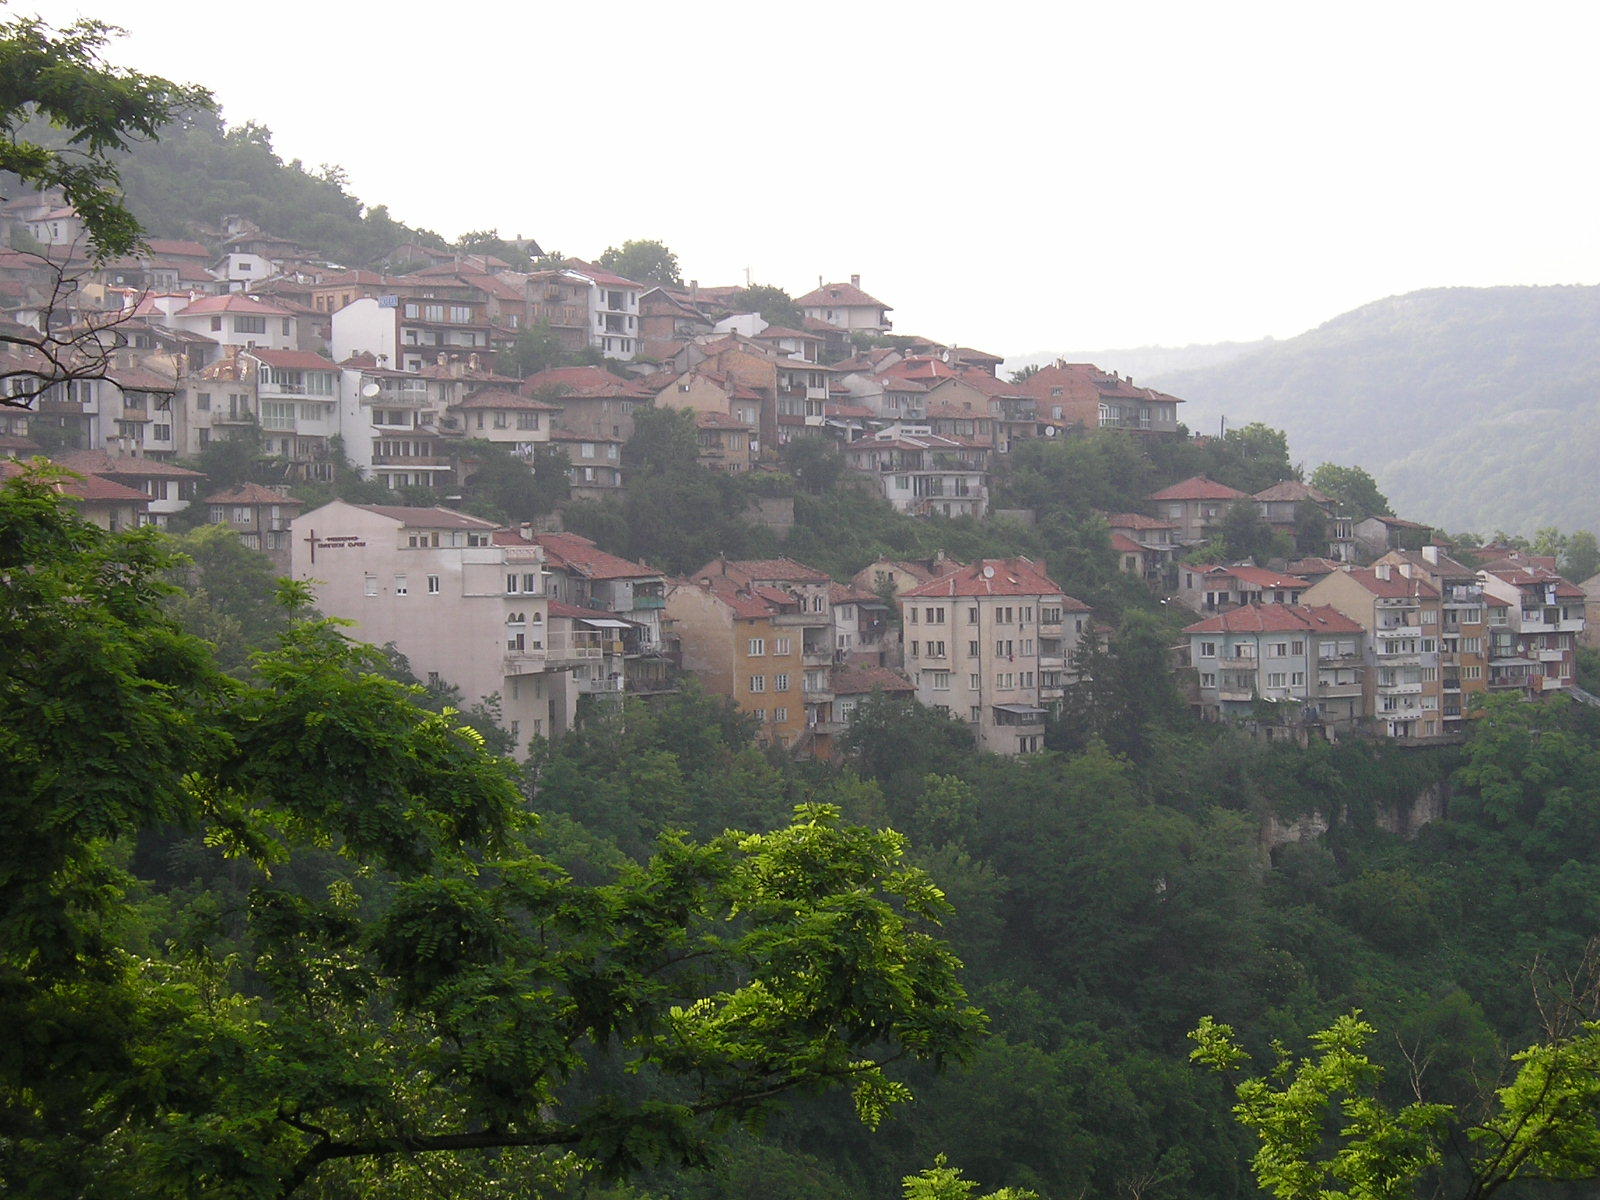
60	75
774	304
1352	486
643	262
401	975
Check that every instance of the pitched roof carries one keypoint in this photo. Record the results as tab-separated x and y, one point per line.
177	248
294	360
1394	587
253	493
1198	487
234	302
838	295
98	462
716	420
1259	576
579	554
1293	489
1136	521
844	593
1535	577
750	571
504	398
1277	618
1123	544
85	486
853	680
997	577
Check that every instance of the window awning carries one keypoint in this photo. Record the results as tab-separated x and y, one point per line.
1020	710
605	623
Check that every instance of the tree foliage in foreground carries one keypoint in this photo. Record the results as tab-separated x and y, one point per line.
1326	1131
395	978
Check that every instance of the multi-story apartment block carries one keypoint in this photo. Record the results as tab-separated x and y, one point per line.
1280	508
923	473
1081	394
1196	506
1148	543
1402	619
1308	658
745	643
802	397
806	625
861	625
992	643
415	331
235	319
1463	629
1211	588
507	418
578	572
298	406
1536	621
462	609
594	464
726	443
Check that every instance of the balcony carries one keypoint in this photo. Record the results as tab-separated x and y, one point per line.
822	656
1552	655
419	461
523	662
600	687
1341	660
648	603
1399	689
1235	696
1338	691
802	618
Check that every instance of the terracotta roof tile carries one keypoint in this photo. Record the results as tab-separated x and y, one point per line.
1277	618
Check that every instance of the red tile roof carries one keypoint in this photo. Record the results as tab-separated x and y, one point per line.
98	462
1123	544
84	487
1293	489
716	420
750	571
176	248
502	398
1198	487
1397	585
252	493
294	360
852	680
1277	618
838	295
997	577
580	555
1259	577
235	302
427	518
1136	521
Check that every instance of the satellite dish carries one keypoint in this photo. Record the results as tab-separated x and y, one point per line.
370	390
988	572
1049	431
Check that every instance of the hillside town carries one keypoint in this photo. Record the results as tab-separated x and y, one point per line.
402	375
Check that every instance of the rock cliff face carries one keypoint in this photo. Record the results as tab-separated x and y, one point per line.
1403	820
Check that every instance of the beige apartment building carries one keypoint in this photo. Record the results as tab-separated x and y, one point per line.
992	644
1464	637
463	610
1404	693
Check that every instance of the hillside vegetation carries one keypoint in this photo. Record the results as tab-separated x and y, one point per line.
1473	407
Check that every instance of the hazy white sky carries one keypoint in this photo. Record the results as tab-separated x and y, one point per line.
1017	177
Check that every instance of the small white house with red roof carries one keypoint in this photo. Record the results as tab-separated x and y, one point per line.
237	319
845	306
1196	505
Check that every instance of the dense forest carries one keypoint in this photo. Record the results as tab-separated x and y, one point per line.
1473	407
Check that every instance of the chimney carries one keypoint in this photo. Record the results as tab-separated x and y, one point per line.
526	529
855	281
1430	553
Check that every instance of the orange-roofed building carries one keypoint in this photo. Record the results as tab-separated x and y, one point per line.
1196	506
992	643
845	306
1081	394
1305	661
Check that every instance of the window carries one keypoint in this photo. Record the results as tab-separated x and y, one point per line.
780	715
1208	649
1278	649
1208	679
1276	679
939	680
530	584
1472	645
916	649
1430	617
780	683
972	649
972	616
758	683
372	585
249	324
513	584
975	715
973	681
1297	648
758	647
1472	672
911	613
433	585
1297	679
935	649
782	646
400	585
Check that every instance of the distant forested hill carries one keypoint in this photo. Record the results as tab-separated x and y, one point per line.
1140	361
1476	408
